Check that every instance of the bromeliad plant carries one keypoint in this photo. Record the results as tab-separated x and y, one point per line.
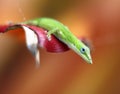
51	35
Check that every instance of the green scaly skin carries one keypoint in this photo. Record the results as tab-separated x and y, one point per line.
63	34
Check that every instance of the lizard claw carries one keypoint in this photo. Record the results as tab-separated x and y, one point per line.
49	37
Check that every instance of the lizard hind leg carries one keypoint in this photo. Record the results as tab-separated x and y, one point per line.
51	32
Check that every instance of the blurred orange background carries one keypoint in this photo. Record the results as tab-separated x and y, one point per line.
63	73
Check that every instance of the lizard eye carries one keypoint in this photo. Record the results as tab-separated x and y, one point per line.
82	50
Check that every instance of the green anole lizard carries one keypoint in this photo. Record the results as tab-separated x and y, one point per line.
63	34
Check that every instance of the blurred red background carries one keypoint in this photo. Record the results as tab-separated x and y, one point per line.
64	73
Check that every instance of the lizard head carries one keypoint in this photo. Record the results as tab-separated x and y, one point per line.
84	52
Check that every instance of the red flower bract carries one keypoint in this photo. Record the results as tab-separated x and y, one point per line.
53	45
